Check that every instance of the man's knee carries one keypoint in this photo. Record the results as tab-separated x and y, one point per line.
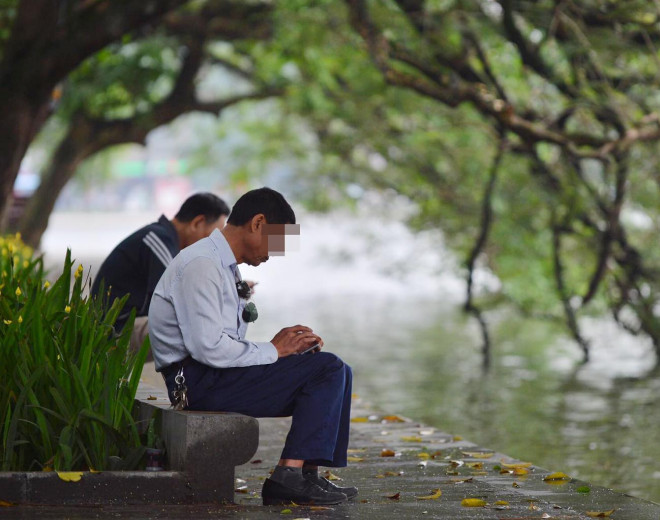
333	364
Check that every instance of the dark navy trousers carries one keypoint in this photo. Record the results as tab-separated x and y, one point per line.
315	389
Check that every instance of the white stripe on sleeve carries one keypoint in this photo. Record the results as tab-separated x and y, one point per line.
158	248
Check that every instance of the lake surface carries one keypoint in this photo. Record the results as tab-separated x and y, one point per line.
421	359
416	354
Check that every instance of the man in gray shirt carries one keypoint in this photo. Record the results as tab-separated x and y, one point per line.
198	319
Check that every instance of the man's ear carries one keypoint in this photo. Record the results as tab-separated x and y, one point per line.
197	222
257	222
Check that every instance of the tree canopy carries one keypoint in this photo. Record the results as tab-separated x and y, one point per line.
526	131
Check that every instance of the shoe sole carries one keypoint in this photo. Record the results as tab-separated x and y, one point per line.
283	502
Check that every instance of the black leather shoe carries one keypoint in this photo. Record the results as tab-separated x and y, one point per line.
274	493
326	485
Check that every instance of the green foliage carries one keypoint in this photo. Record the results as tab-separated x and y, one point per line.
8	10
123	79
588	71
67	381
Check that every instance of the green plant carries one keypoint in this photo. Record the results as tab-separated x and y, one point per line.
154	440
67	380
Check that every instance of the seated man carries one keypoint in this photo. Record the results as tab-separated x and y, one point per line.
198	319
137	263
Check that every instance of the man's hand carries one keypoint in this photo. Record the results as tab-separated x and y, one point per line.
296	339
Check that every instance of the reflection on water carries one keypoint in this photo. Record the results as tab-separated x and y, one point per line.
421	359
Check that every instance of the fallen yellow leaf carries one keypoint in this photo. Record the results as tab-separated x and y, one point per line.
520	471
70	476
475	465
387	453
360	419
515	485
413	438
478	454
4	503
390	474
355	459
356	450
392	418
557	477
514	465
473	502
331	476
424	455
435	494
501	503
457	438
600	514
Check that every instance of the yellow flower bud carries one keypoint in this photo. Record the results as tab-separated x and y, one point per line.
78	271
7	322
46	284
67	309
18	291
20	319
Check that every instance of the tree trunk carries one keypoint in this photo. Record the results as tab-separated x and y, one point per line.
48	41
77	145
21	120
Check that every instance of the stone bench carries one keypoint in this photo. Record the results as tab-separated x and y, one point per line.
205	446
202	450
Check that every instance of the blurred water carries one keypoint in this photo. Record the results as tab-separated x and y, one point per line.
389	304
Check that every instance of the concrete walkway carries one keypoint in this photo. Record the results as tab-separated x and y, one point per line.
396	462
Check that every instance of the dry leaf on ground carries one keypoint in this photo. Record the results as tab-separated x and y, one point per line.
435	494
478	454
600	514
70	476
557	478
473	502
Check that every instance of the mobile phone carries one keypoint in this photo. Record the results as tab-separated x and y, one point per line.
310	349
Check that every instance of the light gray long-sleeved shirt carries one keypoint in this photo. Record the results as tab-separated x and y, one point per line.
195	311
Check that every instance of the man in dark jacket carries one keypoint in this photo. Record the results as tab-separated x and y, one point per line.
137	263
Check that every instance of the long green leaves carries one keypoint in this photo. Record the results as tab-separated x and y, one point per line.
67	379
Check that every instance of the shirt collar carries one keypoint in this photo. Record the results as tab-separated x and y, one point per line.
226	254
167	224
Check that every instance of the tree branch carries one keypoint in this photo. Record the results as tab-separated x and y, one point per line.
528	53
608	236
485	226
569	312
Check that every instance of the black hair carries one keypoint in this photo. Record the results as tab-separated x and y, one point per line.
263	200
207	204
